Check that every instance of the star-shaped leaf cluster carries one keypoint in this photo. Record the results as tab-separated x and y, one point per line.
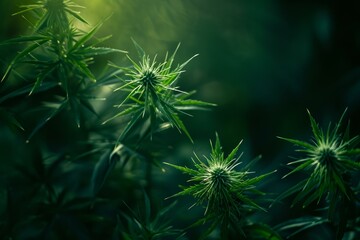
330	159
217	184
152	92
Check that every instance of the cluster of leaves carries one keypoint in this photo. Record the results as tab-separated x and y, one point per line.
330	159
61	80
152	93
225	192
143	224
79	181
59	55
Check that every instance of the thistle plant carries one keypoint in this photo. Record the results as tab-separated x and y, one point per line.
71	181
51	27
60	55
153	93
330	159
223	190
53	13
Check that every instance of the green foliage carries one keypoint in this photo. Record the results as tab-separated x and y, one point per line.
153	93
93	170
53	13
224	190
142	224
330	160
60	55
299	225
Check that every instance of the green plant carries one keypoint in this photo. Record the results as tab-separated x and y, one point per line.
153	94
224	190
84	133
330	160
144	224
61	86
60	55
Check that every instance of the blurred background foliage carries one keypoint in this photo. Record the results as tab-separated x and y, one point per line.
264	62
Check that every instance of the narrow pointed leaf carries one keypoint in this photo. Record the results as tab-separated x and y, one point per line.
102	170
183	169
85	38
22	54
22	39
127	111
41	78
232	154
10	119
298	143
26	89
138	48
314	126
76	15
74	104
83	68
296	188
46	119
298	168
95	51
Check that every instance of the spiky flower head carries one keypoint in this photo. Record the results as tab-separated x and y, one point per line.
152	91
218	184
59	55
53	14
330	158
